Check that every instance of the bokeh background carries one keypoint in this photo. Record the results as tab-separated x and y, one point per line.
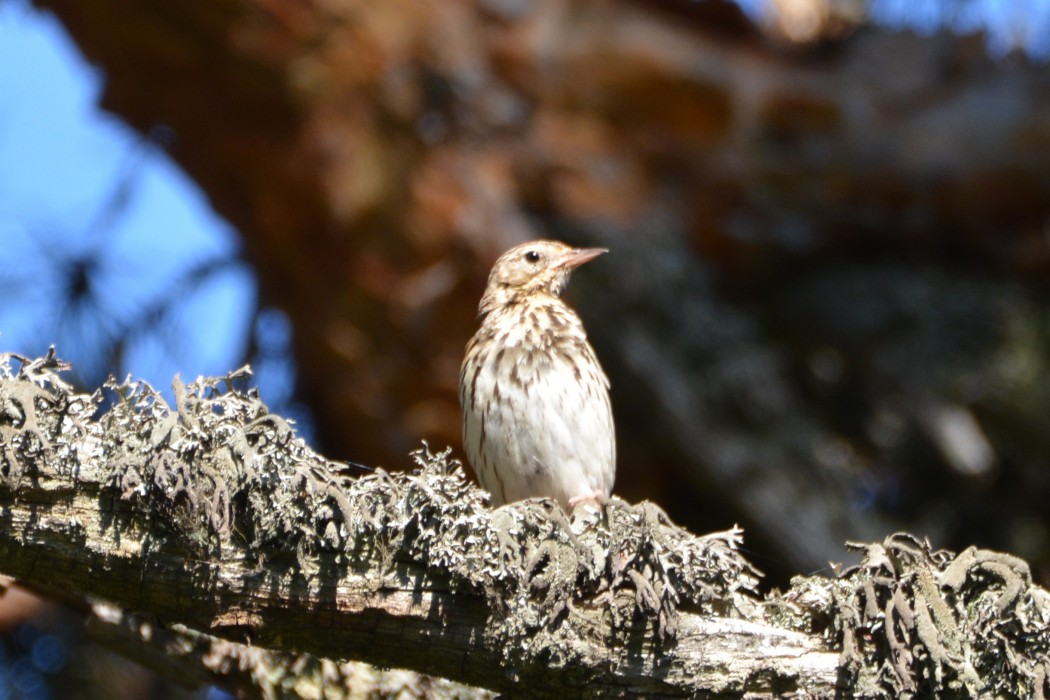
825	314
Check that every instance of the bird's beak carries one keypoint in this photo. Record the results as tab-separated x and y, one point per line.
578	256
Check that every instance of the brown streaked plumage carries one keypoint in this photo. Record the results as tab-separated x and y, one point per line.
536	414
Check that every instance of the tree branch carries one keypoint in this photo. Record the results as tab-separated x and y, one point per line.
196	660
212	516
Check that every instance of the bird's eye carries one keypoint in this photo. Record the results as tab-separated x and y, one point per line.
532	256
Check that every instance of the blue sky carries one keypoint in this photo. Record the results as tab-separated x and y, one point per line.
77	185
1009	23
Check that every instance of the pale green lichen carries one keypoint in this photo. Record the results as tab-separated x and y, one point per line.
917	622
219	471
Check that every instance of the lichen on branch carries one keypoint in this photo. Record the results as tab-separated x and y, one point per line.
217	472
228	522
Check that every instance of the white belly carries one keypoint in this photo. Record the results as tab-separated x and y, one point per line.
540	428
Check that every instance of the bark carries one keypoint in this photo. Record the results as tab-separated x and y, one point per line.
780	221
196	660
216	521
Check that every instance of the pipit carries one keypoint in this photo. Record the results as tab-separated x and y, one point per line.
536	414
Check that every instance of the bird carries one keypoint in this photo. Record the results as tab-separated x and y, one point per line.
537	419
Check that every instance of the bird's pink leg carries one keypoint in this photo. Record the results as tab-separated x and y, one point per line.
596	495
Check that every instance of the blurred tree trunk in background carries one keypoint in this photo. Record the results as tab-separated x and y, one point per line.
824	314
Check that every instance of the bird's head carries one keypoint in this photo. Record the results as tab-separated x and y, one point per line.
537	267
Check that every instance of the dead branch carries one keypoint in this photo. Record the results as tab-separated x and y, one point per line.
216	522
